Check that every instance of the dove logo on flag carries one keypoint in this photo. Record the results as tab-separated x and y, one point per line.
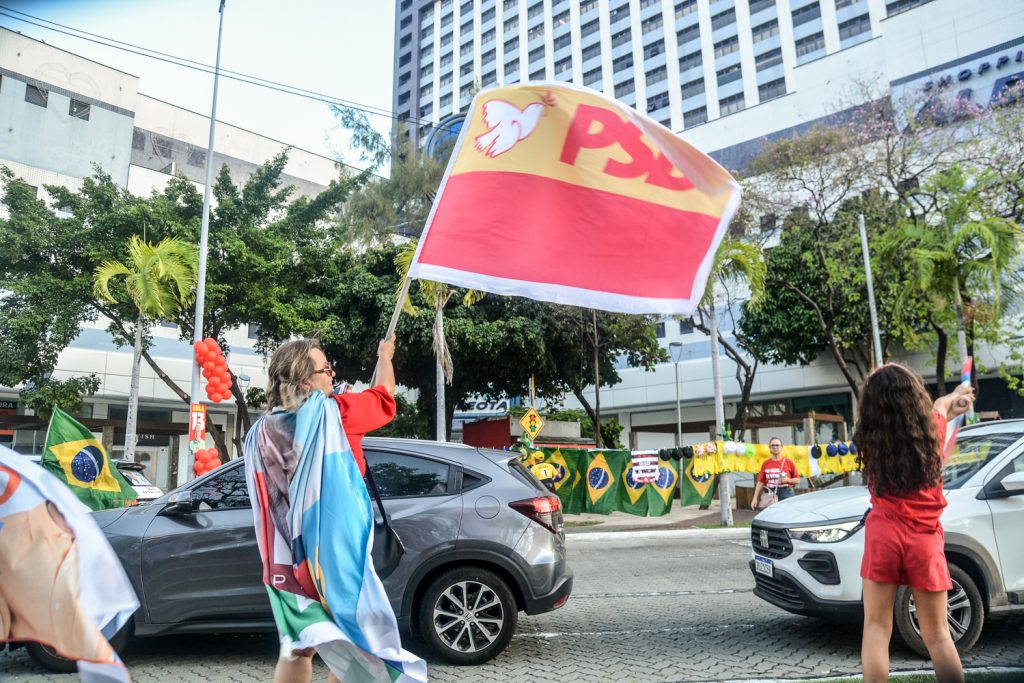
507	124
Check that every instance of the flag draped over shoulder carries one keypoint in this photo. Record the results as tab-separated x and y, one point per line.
75	456
314	526
65	590
559	193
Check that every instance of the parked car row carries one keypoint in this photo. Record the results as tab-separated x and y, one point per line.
479	531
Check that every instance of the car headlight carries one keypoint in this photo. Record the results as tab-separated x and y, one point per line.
826	533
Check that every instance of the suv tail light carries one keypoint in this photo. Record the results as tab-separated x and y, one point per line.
545	510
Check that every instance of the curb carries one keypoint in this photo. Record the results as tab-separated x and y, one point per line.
741	532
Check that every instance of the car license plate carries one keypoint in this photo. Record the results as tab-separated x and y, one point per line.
764	566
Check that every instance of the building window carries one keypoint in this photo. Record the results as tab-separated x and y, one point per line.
654	49
36	96
537	75
512	24
592	76
854	27
687	34
427	90
760	5
490	78
447	20
561	42
405	23
511	45
466	91
466	48
512	67
405	40
138	139
466	9
535	11
729	74
691	61
510	5
732	104
656	75
466	69
591	51
425	53
446	80
685	7
537	54
686	326
621	38
488	57
163	147
403	98
487	37
79	110
765	30
692	89
404	78
404	59
589	27
771	90
446	39
622	63
446	59
536	32
659	330
196	157
767	60
812	43
842	4
656	102
618	13
898	6
624	88
426	110
560	19
652	24
563	65
427	70
723	19
253	331
727	46
806	13
648	3
427	33
587	5
487	16
466	28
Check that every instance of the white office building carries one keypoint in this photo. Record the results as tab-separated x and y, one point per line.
726	75
60	115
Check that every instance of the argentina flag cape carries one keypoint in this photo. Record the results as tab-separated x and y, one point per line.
65	590
314	525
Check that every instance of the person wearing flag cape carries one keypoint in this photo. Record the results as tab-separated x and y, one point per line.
304	466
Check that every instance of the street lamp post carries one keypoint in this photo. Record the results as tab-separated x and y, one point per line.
678	346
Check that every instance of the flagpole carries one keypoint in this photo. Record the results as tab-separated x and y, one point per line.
402	293
197	331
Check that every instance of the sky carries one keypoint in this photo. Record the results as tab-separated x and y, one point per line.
341	48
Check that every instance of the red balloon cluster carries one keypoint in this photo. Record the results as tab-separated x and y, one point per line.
206	460
215	369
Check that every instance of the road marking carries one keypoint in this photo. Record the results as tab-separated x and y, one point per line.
658	594
661	535
640	631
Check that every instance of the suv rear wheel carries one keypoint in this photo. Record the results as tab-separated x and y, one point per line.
46	657
965	609
467	615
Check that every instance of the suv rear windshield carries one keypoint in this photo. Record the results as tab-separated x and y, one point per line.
973	450
516	467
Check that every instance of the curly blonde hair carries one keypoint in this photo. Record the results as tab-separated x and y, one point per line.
290	370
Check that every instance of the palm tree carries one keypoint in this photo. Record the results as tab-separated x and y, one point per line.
439	294
160	280
733	260
964	259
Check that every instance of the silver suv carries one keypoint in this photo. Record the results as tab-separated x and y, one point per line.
478	530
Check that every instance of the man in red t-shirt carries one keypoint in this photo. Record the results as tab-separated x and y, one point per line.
777	473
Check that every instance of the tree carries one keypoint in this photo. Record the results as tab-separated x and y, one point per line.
68	395
159	279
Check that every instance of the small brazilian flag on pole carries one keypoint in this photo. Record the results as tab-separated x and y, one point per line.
73	455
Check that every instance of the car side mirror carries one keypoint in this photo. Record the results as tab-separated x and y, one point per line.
1014	483
180	503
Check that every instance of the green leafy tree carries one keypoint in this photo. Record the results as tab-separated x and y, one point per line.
159	279
68	395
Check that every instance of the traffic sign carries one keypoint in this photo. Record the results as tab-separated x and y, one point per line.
532	423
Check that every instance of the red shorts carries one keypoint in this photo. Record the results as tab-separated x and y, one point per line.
896	554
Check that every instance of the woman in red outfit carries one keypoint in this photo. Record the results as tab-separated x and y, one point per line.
778	474
899	436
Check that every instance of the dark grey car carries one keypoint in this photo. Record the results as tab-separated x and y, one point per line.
480	533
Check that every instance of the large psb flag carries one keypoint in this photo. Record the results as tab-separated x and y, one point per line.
588	202
661	490
695	489
60	583
74	456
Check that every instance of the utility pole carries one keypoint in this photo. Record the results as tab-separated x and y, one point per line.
875	334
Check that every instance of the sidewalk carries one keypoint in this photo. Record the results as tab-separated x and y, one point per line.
690	517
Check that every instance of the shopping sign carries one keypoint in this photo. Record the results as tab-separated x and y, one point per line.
532	423
559	193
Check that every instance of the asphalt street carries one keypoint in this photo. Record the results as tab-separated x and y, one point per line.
652	606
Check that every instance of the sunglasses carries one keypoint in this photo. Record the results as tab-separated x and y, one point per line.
327	369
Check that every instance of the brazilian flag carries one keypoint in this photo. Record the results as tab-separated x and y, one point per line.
695	489
661	490
633	494
567	464
73	455
603	480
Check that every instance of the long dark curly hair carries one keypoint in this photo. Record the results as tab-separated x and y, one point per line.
897	446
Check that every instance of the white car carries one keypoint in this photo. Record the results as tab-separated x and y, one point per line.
807	549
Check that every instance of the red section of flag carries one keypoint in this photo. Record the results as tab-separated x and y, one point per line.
533	228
